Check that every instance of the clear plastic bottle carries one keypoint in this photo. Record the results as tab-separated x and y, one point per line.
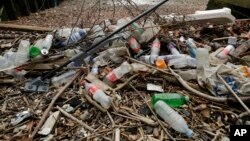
22	54
149	59
63	78
75	37
175	120
98	94
202	57
172	48
117	73
46	45
180	61
134	45
156	45
191	47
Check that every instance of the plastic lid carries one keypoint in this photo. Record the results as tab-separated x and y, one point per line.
34	51
160	63
186	98
44	51
189	133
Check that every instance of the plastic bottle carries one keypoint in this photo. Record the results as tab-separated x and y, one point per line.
149	59
98	94
75	37
202	57
46	45
155	49
224	53
172	48
175	120
191	47
22	53
172	99
149	33
134	45
63	78
180	61
117	73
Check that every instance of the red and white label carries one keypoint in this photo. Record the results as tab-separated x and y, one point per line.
156	44
92	90
134	45
111	77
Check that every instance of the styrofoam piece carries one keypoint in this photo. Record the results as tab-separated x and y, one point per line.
217	16
49	124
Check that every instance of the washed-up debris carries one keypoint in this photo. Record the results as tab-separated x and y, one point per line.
151	81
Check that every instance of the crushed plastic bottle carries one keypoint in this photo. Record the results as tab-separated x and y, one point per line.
172	48
75	37
191	47
134	45
175	120
63	78
46	45
22	53
117	73
174	100
98	94
20	117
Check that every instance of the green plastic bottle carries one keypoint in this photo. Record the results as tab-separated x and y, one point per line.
174	100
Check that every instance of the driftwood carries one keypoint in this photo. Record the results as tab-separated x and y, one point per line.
25	28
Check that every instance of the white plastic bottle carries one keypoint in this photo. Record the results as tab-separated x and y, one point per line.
172	48
134	45
98	94
149	59
156	45
46	44
224	53
175	120
117	73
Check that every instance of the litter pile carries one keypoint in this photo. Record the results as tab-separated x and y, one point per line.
154	80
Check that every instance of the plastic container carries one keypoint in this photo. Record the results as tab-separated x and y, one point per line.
172	48
149	33
156	45
22	54
180	61
134	45
149	59
224	53
202	57
191	47
174	100
117	73
63	78
75	37
46	45
98	94
170	116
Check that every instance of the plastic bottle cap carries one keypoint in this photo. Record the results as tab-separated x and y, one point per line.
160	63
189	133
34	51
186	98
44	51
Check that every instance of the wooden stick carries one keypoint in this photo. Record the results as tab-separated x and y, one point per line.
25	27
74	118
234	94
46	113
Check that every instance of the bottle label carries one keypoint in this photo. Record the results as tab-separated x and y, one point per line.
156	44
111	77
92	90
134	45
